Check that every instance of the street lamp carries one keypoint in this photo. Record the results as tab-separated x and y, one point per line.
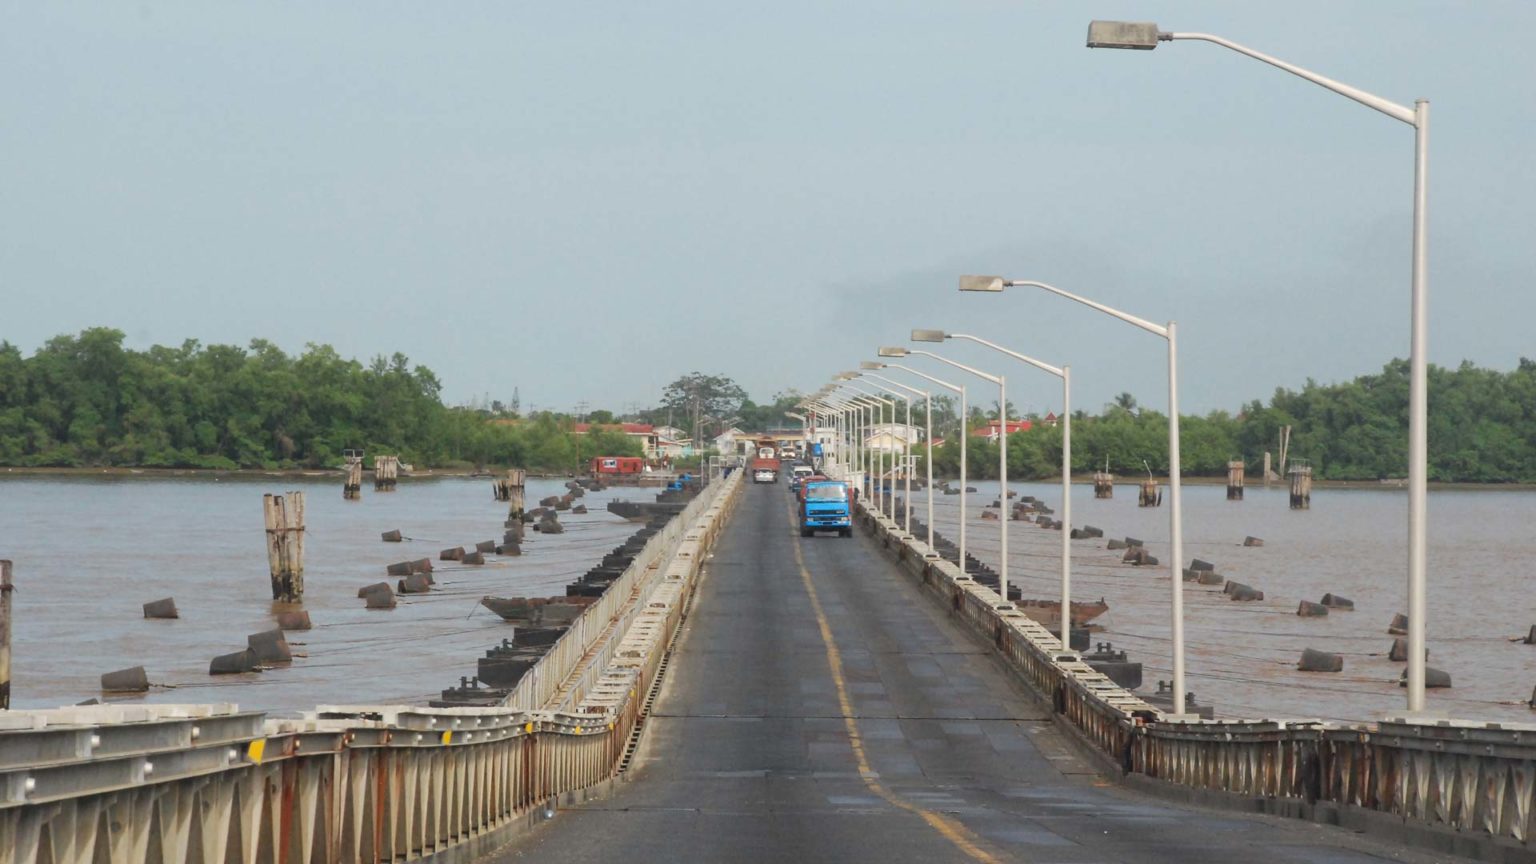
1145	35
1002	451
1169	332
1065	374
896	351
851	379
906	439
928	427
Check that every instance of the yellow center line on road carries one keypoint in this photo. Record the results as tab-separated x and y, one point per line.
951	829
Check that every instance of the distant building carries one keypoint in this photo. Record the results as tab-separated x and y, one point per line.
991	430
890	437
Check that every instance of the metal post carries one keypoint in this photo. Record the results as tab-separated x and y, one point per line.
1066	506
1175	520
964	434
1418	414
1002	486
928	425
5	635
906	457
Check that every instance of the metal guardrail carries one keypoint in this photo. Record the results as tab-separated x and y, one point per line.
209	783
1474	779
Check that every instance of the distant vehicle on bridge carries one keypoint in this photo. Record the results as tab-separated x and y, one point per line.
765	469
824	506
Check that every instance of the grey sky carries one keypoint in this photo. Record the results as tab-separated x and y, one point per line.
587	200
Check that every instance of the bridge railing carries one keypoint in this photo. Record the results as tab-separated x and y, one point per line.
1456	776
209	783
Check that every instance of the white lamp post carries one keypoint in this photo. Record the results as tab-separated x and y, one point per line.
906	439
928	434
1169	332
1065	374
889	497
1002	450
1146	36
897	351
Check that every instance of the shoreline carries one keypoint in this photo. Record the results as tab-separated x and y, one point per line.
119	471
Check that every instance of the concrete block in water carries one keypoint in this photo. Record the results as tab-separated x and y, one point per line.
1530	638
392	536
421	565
454	554
485	547
1114	545
1092	531
1191	575
1308	609
1138	556
1334	601
970	488
549	501
163	608
1433	678
1132	541
509	549
270	646
1239	591
472	558
1399	625
1252	541
579	510
297	620
1399	651
132	680
1320	661
550	526
1210	577
234	664
1197	564
369	589
380	597
563	503
416	583
399	568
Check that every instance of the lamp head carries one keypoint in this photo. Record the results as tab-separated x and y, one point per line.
870	364
847	376
893	351
929	335
1138	35
982	283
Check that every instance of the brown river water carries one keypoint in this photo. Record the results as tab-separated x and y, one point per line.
1241	656
89	552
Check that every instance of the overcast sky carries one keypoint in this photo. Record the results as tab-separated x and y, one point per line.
586	200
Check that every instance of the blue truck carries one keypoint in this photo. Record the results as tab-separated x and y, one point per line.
824	506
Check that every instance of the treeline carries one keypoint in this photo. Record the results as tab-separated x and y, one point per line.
87	401
1482	429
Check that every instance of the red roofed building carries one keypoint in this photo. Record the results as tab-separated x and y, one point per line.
990	431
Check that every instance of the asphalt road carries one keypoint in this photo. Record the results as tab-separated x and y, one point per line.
820	707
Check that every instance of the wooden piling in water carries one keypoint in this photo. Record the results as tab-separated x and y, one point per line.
1103	484
352	487
1149	496
1235	470
1301	487
5	635
284	516
386	470
516	481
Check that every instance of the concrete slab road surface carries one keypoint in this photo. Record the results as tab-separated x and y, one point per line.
820	707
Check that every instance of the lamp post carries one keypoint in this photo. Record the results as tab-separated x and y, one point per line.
872	392
906	439
1065	374
1169	332
896	351
863	456
1002	450
928	440
1146	36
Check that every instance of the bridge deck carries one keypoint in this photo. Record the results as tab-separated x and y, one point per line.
821	708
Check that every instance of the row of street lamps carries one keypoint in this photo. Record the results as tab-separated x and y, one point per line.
853	397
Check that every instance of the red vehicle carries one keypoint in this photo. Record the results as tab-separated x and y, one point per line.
765	470
617	465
